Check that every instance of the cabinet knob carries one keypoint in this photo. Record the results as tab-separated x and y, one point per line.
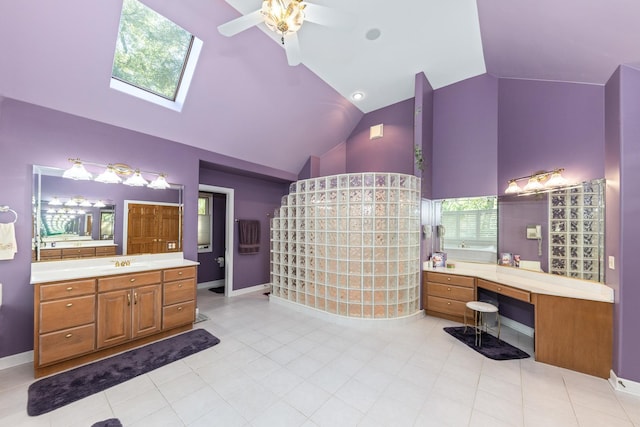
448	303
448	289
180	285
179	273
449	279
70	304
68	335
179	308
499	289
70	288
132	280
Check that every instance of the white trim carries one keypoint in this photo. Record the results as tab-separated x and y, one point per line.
517	326
257	288
229	228
211	284
625	386
347	321
125	217
16	360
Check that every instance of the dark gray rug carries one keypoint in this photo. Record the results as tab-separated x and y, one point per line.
492	347
61	389
111	422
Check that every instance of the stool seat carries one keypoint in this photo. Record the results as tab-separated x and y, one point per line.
479	309
484	307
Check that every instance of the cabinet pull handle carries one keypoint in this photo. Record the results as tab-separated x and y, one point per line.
132	280
68	335
499	289
448	289
70	288
449	279
135	297
180	285
448	303
179	273
128	299
179	308
70	304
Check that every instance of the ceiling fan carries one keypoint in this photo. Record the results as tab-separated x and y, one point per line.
284	17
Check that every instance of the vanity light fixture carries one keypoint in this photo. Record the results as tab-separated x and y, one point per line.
99	204
136	180
114	173
55	202
71	202
109	176
77	171
538	182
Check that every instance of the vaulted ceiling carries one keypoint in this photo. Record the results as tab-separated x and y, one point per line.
246	102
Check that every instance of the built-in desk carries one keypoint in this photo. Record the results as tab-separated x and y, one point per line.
573	318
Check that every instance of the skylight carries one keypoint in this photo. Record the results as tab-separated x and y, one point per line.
154	57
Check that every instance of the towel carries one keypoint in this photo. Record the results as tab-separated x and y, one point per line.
8	245
249	236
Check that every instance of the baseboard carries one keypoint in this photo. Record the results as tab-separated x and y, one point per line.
517	326
16	359
626	386
211	284
266	287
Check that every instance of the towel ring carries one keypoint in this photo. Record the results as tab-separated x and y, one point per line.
8	209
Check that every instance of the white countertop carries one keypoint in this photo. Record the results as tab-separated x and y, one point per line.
532	281
53	271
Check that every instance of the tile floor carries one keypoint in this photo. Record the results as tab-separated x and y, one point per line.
278	367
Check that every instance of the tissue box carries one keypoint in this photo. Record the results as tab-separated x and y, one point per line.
439	259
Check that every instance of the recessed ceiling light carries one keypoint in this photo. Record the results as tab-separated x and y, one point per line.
373	34
357	96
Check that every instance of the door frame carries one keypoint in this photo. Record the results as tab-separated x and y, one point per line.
229	237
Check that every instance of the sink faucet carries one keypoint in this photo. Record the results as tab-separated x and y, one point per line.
123	263
462	245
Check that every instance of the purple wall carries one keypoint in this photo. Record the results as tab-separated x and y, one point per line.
514	214
546	125
311	168
34	135
334	161
623	167
254	199
391	153
465	138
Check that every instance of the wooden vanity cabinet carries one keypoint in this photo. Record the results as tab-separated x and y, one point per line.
64	320
58	254
446	295
129	306
179	297
78	321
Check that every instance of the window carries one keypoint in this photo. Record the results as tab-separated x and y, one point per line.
470	222
205	219
154	58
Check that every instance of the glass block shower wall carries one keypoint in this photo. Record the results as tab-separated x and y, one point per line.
349	245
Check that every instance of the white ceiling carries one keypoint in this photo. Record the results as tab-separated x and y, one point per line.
440	38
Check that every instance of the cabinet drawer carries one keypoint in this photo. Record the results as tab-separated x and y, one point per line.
505	290
179	273
50	254
179	291
451	279
78	252
66	313
65	344
105	250
178	314
113	283
67	289
447	306
458	293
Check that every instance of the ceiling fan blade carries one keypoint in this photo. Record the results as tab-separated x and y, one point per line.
240	24
292	48
326	16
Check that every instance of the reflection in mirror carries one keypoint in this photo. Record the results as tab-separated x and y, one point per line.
74	218
467	229
571	225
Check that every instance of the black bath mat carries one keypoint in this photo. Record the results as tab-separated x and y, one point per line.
61	389
218	290
111	422
492	347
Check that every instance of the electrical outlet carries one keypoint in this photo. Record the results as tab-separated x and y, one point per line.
612	262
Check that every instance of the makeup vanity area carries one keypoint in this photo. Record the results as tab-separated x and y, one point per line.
108	287
573	318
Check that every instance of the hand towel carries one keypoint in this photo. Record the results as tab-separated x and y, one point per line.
249	239
8	245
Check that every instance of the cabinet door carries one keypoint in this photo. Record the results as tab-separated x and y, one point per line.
114	317
147	310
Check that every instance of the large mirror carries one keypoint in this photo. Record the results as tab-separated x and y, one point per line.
81	219
559	232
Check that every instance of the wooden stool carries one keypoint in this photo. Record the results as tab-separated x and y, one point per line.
479	310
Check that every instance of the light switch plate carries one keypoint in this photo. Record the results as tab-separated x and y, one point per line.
612	262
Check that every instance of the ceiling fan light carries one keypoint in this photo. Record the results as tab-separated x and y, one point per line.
283	16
